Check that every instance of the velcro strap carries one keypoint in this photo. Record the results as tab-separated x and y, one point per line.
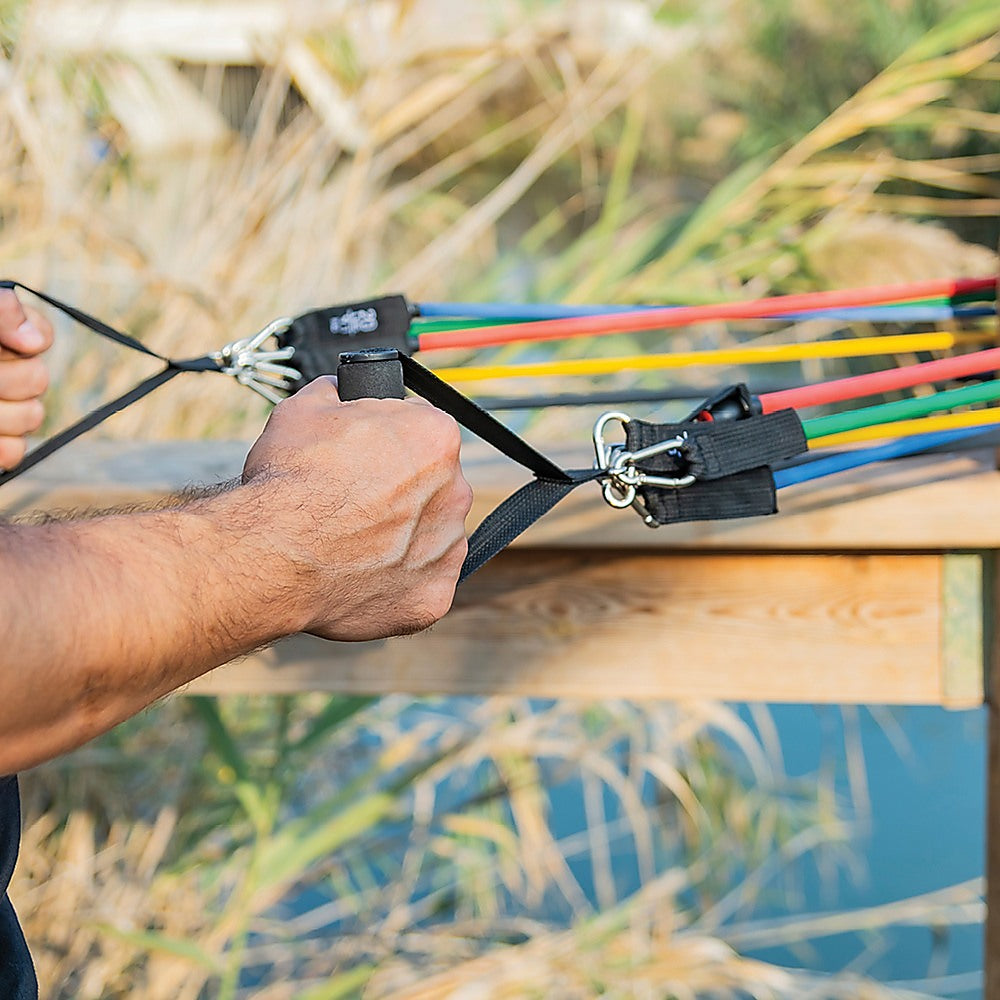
730	461
719	448
745	494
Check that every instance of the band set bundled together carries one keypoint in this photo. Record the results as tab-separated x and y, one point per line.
725	460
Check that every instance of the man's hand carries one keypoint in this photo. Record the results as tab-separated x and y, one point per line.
349	524
24	335
367	505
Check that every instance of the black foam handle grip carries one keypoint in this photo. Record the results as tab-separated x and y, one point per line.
371	374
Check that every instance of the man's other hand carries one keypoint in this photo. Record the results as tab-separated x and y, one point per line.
24	336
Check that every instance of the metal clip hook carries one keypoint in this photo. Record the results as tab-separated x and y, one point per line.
623	479
259	369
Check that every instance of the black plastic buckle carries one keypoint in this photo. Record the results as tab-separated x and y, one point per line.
735	402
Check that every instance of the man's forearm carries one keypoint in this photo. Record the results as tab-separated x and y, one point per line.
349	524
104	616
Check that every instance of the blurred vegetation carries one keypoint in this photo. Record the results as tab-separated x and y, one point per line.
191	177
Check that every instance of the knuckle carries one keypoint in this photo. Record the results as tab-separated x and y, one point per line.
33	415
458	554
445	434
438	605
324	387
36	377
466	496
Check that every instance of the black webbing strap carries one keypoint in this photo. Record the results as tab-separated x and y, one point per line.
730	460
445	397
97	416
520	510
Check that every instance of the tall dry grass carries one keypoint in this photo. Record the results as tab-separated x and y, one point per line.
190	171
393	850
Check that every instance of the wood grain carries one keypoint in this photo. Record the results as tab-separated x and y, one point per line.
596	625
848	595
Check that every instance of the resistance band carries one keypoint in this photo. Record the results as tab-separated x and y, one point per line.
831	464
904	343
666	318
904	409
436	316
877	383
907	428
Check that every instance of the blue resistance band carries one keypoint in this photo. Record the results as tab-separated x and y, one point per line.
528	312
832	464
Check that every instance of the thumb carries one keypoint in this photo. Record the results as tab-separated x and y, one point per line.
18	335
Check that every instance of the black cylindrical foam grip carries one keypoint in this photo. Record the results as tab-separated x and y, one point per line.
371	374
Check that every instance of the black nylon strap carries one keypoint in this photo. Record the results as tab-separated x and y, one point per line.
425	383
91	322
517	513
731	460
95	417
520	510
91	420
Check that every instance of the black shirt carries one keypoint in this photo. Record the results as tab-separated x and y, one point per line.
17	974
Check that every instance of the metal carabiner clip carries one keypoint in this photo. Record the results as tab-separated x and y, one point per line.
259	369
623	478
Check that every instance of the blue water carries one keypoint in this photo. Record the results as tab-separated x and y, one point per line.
924	831
919	828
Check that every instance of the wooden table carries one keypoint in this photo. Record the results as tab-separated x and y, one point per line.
875	586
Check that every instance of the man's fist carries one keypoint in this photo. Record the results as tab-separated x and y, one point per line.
24	335
364	504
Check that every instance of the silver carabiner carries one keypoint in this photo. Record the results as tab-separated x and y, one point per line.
259	369
623	479
601	448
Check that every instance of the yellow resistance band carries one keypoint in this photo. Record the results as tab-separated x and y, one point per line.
940	340
904	428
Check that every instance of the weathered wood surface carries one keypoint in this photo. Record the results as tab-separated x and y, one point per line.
857	592
931	502
609	624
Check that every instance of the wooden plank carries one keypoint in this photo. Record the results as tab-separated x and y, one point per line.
932	652
934	502
925	502
598	624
